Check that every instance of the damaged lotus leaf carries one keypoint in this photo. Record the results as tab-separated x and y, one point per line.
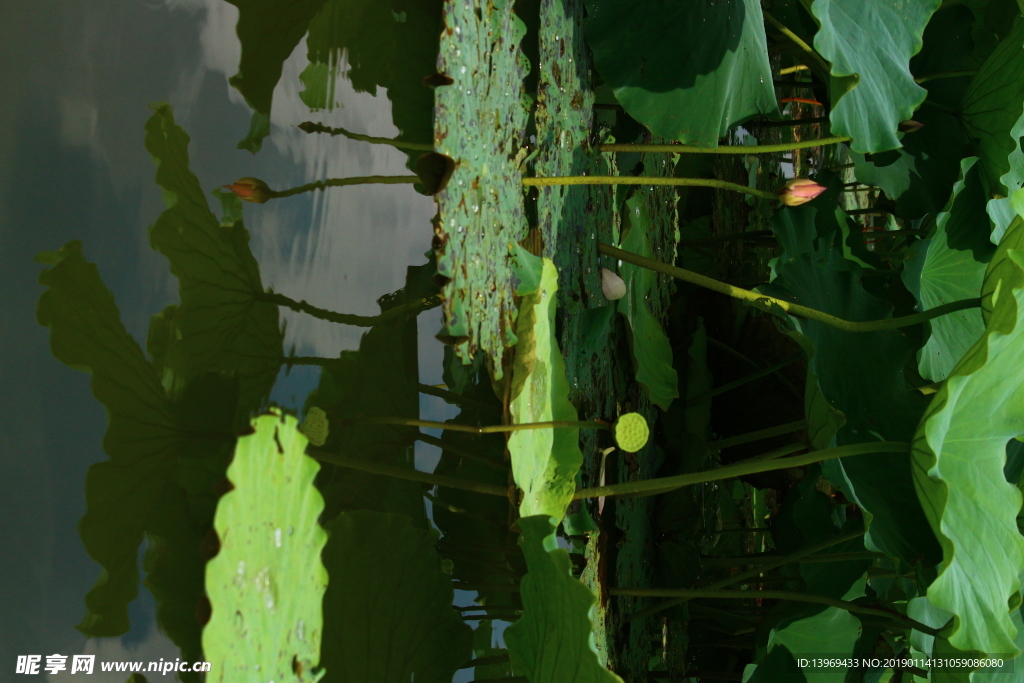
480	122
544	461
266	584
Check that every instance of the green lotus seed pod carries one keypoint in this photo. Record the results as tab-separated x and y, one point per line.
631	432
316	426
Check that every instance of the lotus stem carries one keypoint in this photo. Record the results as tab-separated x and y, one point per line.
945	74
793	596
637	180
767	433
756	571
754	376
812	559
341	182
728	149
413	308
469	429
310	127
355	463
717	239
653	487
817	62
794	69
786	306
790	122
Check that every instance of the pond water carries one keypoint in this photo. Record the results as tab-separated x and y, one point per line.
78	82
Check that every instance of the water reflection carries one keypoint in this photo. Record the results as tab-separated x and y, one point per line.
340	249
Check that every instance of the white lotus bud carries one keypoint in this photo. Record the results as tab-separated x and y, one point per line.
612	285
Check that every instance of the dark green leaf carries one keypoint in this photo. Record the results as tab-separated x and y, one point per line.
688	72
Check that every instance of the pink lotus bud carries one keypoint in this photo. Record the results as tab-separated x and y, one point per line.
251	190
612	285
909	126
799	191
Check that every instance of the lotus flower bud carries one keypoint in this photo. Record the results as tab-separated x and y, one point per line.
612	285
909	126
251	190
799	191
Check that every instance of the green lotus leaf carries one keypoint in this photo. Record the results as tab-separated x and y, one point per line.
959	452
870	43
388	614
544	461
993	114
722	77
861	375
652	352
919	176
220	326
266	585
937	273
833	630
268	32
480	122
553	641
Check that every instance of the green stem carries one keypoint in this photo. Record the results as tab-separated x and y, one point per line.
751	573
462	452
945	74
639	180
793	596
355	463
469	429
728	149
784	451
341	182
311	127
450	397
787	306
790	122
942	107
813	559
805	85
653	487
413	308
485	661
868	212
822	68
726	238
766	433
752	377
728	349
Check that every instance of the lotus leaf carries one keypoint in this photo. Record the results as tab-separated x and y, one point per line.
544	461
388	614
959	452
553	641
694	94
266	585
937	273
870	43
